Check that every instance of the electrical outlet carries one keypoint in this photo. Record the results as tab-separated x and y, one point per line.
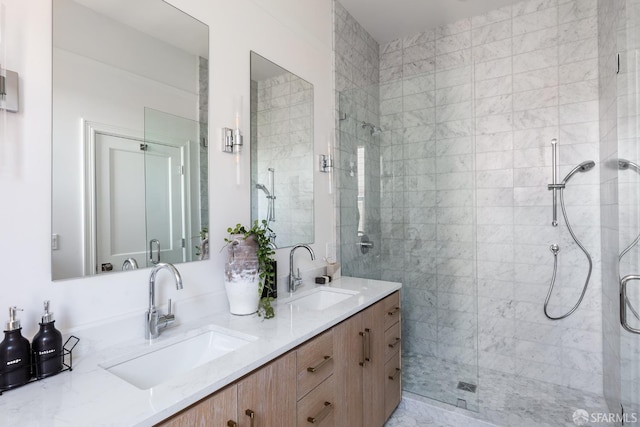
54	242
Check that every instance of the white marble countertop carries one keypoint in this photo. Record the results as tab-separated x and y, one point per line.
91	396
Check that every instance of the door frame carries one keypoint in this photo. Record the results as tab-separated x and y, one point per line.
90	129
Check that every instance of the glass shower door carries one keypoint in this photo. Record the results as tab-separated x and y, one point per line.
629	213
172	187
406	181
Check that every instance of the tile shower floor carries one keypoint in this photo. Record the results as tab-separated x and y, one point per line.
503	400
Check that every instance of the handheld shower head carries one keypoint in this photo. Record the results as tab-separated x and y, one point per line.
628	164
582	167
263	188
375	130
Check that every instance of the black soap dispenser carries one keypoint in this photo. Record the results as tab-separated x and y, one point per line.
15	355
47	347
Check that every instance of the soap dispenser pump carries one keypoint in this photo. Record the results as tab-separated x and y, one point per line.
15	357
47	347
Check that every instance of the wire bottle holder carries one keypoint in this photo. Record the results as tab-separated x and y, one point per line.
67	364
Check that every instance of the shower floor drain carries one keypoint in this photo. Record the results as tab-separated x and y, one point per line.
467	386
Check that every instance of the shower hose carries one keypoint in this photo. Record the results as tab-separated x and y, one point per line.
555	249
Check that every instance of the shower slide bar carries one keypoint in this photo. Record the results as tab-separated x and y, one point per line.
558	189
554	186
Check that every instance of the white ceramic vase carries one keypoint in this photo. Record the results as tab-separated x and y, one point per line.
242	276
243	296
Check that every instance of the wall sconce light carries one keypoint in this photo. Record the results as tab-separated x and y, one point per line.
231	140
8	90
326	163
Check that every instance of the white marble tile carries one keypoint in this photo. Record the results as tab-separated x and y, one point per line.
537	98
578	51
535	21
536	40
493	69
531	6
577	9
578	30
494	87
535	60
579	92
493	50
536	79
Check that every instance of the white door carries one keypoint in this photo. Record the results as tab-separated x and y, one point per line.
120	202
130	203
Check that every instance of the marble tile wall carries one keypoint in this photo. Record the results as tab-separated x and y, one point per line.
610	18
285	133
469	110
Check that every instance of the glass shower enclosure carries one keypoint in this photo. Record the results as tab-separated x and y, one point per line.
406	179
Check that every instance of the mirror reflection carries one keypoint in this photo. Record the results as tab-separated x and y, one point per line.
129	172
281	152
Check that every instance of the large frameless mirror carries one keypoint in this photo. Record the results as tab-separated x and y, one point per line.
281	152
129	137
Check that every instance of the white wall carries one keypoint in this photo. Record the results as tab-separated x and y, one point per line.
299	39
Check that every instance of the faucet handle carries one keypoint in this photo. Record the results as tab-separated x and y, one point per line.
169	313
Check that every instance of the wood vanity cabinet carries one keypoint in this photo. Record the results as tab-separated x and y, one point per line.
392	354
316	387
265	397
261	399
348	376
360	370
219	409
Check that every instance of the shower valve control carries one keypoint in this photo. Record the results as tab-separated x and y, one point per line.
365	244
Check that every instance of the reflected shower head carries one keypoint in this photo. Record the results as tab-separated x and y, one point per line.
263	188
375	130
628	164
582	167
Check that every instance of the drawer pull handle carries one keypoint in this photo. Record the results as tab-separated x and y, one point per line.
368	332
393	377
319	365
232	423
395	343
251	415
394	311
328	407
364	349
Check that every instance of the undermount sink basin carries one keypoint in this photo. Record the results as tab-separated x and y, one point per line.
161	364
321	298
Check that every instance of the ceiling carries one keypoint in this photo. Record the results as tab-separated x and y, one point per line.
388	20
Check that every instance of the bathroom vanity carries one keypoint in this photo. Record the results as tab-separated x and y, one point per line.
330	357
346	376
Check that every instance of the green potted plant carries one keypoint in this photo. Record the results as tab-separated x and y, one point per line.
249	269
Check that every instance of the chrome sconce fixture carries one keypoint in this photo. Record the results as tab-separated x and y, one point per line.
8	90
231	140
326	163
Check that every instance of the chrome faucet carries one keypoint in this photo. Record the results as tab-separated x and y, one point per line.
154	320
295	281
129	264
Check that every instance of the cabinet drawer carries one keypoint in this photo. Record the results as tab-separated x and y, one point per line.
392	341
392	385
391	309
319	406
314	362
